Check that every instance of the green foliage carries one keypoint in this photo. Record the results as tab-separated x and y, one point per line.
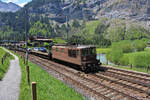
76	39
125	45
100	41
115	54
76	23
147	49
115	33
84	38
139	45
136	32
92	33
124	60
130	46
5	65
104	31
100	32
100	29
91	26
131	53
48	87
146	40
40	29
59	41
102	50
138	59
124	30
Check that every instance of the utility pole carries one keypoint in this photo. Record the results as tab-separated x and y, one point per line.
67	17
67	28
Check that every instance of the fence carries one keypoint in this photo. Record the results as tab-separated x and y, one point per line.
4	57
33	88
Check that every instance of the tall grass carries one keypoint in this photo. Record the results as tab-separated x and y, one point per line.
48	87
5	65
102	50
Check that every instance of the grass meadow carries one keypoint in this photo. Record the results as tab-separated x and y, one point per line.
4	67
48	87
102	50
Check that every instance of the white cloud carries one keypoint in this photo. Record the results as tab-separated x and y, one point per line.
22	4
14	1
17	2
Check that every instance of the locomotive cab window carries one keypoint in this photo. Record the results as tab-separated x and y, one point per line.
62	50
56	49
84	52
72	53
94	51
89	51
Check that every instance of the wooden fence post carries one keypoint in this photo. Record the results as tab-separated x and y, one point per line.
24	60
34	95
107	61
2	61
131	66
28	74
147	68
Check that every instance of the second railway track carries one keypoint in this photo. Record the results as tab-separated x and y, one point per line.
101	85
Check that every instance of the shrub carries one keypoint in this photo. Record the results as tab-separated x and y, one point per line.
140	59
115	55
124	60
59	41
130	46
125	45
139	45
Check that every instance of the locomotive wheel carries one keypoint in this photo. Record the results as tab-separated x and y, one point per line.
84	69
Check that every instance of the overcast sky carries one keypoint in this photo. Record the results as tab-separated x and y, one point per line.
19	2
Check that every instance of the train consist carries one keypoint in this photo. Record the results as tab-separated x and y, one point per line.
83	56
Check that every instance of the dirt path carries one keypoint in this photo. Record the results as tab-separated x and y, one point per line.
10	85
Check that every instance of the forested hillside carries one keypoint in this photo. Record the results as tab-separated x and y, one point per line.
99	22
105	31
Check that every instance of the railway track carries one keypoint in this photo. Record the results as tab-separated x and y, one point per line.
102	85
135	75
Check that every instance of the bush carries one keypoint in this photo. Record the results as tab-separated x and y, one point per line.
130	46
124	60
115	55
125	45
140	59
137	59
146	40
59	41
139	45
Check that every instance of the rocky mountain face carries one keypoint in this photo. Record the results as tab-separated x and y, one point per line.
62	10
65	10
8	7
137	9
